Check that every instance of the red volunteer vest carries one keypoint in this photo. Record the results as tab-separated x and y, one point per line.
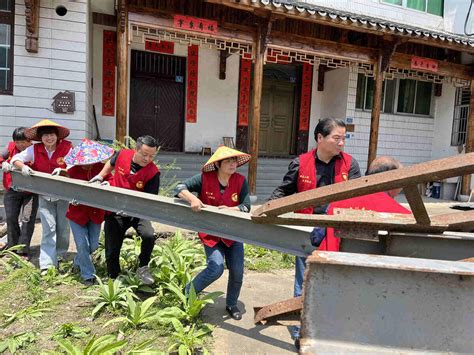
211	195
7	177
307	173
122	177
43	163
82	214
377	202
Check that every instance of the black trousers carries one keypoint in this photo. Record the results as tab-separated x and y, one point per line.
20	206
115	228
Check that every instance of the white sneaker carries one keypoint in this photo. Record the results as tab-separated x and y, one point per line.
145	275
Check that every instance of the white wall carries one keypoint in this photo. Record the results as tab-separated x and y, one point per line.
334	96
217	102
378	9
443	124
59	65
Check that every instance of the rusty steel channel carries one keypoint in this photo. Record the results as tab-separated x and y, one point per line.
405	177
382	304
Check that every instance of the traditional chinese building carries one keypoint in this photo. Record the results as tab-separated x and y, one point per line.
258	73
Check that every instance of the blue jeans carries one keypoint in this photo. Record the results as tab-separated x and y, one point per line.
55	239
87	241
300	265
234	259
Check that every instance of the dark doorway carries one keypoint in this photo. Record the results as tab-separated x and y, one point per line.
157	98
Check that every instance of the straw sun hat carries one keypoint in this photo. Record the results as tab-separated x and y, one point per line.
32	132
223	153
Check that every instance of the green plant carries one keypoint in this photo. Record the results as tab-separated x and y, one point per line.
13	260
103	345
264	260
54	278
112	295
35	292
131	279
138	313
176	261
129	253
23	314
17	341
71	330
187	340
144	348
191	305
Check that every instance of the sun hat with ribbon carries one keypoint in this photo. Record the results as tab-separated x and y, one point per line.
32	132
88	152
222	153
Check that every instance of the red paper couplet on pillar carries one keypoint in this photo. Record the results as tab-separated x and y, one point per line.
191	97
108	73
305	105
244	92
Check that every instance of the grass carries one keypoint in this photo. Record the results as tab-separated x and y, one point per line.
62	294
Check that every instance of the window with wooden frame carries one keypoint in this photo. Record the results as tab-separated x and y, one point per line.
434	7
399	96
7	18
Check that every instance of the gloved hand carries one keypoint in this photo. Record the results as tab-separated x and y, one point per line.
7	167
56	172
317	236
26	170
105	183
121	214
96	178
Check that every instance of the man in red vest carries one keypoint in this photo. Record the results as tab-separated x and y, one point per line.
18	202
377	202
133	170
325	165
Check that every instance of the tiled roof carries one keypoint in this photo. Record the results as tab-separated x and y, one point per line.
357	20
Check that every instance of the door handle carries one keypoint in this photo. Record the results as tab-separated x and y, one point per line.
156	108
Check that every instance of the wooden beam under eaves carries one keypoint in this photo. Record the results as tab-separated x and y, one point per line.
251	6
32	25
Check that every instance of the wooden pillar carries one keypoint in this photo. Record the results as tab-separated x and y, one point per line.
122	70
376	107
260	48
466	180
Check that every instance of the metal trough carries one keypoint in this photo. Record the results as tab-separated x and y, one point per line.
382	304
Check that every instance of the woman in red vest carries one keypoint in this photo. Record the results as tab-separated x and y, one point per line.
18	203
327	164
46	156
84	162
221	186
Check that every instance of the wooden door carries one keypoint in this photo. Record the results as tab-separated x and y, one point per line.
157	98
276	119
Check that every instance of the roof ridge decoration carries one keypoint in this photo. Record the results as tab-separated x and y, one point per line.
363	21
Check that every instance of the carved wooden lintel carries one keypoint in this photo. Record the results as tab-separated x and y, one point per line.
32	25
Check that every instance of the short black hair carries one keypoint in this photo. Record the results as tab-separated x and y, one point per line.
146	140
326	125
47	130
19	134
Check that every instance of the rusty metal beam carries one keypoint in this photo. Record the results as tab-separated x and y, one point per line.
288	309
416	204
381	304
399	178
